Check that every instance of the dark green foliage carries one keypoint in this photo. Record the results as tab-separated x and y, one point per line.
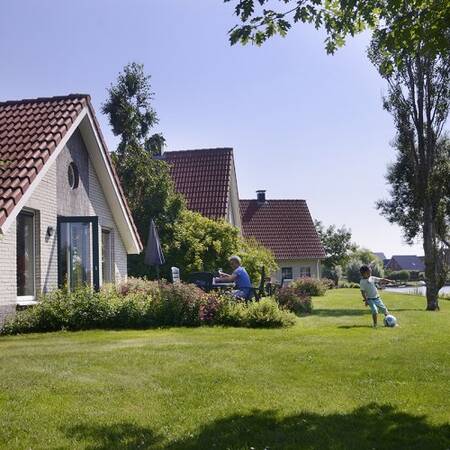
333	274
130	112
401	275
353	273
143	304
294	300
145	179
394	26
310	286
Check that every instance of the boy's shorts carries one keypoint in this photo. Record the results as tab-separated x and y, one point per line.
375	304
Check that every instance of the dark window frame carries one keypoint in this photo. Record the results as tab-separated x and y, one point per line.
93	220
31	214
283	269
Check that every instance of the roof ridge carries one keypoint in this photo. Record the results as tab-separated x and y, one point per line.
200	150
44	99
274	200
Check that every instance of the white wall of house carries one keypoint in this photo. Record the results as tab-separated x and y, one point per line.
52	197
299	267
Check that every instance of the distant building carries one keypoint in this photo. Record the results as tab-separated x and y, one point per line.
287	228
207	180
406	262
380	255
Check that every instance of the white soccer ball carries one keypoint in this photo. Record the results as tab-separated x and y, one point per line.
390	321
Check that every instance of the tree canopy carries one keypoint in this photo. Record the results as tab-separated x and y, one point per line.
337	243
202	244
397	27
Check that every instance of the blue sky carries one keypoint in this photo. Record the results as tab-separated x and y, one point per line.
302	124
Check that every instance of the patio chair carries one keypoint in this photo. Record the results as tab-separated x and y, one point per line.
259	292
175	275
203	280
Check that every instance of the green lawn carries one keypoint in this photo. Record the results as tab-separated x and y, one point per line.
330	382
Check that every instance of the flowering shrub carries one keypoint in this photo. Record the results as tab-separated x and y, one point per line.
209	308
294	300
143	304
135	285
310	286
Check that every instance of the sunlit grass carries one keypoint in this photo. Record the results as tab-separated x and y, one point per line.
330	382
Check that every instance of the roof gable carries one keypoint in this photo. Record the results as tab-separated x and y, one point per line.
284	226
32	134
203	177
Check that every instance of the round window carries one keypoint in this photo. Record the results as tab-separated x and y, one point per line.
73	176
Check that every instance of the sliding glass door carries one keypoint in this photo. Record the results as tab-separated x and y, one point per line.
78	260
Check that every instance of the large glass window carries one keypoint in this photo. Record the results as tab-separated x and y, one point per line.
77	257
26	282
107	256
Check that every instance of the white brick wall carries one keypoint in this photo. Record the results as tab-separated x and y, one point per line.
100	208
7	272
314	265
44	202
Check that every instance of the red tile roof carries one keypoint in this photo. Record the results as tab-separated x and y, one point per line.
284	226
204	178
30	131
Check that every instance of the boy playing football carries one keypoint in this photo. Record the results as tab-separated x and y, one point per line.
370	293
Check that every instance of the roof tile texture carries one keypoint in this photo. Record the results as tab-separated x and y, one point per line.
203	177
284	226
30	131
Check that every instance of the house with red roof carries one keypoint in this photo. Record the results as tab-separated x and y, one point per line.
287	228
63	216
207	179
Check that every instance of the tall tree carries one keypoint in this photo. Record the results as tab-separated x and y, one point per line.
145	178
262	19
419	101
410	48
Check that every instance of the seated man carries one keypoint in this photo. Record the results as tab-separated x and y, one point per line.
239	277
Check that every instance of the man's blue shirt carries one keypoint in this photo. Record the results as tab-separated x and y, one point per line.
242	279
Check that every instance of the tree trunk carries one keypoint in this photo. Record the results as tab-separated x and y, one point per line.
431	258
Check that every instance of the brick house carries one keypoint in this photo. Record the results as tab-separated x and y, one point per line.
63	215
207	179
287	228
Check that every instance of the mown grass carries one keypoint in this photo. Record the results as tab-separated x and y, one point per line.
330	382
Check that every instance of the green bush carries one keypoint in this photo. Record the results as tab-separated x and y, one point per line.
310	286
332	273
143	304
348	285
267	314
401	275
293	300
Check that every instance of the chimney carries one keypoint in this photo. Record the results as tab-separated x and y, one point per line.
261	197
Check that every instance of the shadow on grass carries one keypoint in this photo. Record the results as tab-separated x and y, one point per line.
374	426
339	312
123	436
349	327
355	312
